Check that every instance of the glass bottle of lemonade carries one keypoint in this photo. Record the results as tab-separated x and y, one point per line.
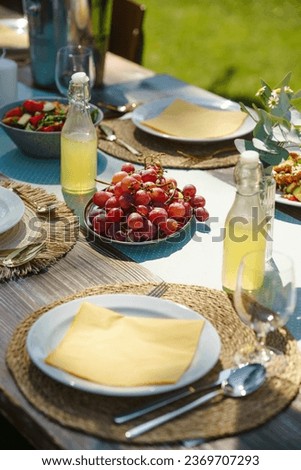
245	225
78	141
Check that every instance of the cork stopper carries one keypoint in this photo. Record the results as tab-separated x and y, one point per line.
249	157
79	77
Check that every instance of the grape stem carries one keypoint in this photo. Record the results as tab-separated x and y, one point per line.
102	182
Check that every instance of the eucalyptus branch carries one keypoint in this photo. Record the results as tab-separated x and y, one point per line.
274	132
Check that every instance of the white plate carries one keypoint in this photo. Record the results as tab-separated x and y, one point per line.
11	209
154	108
46	333
287	202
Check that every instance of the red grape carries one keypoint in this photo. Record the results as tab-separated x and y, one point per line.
112	202
118	191
129	183
142	197
150	174
128	167
188	209
118	176
176	209
158	215
158	195
189	191
143	210
126	201
101	197
135	221
148	232
120	236
201	214
169	226
115	214
100	223
198	201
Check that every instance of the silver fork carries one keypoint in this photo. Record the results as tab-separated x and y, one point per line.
159	290
20	256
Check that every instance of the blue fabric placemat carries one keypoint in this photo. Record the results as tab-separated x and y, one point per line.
287	217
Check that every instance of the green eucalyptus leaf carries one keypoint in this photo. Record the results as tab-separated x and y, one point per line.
274	131
271	160
283	105
242	145
268	146
285	81
296	95
259	132
268	89
246	110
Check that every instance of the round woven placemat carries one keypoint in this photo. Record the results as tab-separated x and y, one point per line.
93	413
59	229
172	154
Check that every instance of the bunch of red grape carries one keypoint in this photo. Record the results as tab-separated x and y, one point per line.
144	205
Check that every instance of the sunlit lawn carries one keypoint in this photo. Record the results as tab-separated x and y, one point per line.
225	46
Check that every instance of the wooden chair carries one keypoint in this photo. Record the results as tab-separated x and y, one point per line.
126	37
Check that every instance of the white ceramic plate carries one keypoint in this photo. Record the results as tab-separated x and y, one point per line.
154	108
49	329
11	209
287	202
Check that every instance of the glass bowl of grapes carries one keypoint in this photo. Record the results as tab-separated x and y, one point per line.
142	206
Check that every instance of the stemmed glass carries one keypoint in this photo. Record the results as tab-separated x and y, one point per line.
71	59
265	298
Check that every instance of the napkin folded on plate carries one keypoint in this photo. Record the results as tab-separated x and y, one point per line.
188	120
106	347
9	38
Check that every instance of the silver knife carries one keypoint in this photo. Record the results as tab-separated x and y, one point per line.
157	404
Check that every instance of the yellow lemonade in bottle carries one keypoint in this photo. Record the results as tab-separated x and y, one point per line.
239	240
78	163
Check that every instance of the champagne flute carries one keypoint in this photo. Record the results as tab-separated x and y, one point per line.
265	298
72	59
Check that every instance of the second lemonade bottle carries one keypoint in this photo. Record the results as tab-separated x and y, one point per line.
78	141
245	226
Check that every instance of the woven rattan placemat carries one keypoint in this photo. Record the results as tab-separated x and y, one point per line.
172	154
93	413
59	229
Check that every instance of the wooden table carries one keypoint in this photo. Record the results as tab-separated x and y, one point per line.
84	267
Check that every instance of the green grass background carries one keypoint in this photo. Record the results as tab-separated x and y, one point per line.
225	46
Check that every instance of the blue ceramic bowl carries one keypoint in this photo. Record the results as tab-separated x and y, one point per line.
38	144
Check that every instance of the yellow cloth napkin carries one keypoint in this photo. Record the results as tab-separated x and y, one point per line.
116	350
191	121
10	38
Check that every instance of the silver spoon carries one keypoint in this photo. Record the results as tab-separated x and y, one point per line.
240	383
121	109
109	134
166	400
